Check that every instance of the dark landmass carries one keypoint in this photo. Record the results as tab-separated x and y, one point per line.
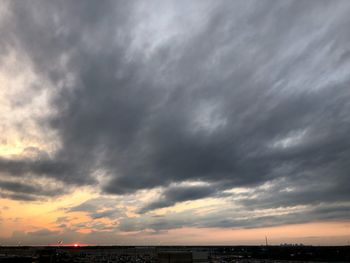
174	254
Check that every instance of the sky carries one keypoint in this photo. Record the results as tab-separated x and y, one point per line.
174	122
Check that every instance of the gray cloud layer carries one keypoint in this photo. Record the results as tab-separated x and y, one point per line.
172	195
232	94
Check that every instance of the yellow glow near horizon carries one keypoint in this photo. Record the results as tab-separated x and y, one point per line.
38	215
316	233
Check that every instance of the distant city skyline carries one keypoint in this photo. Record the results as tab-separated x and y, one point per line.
174	122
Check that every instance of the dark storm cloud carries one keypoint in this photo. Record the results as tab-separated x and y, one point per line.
25	188
38	167
28	191
98	208
19	197
105	214
176	194
299	192
239	95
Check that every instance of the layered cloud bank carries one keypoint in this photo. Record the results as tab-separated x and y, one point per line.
236	112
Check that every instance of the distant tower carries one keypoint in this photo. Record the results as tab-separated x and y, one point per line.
266	241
